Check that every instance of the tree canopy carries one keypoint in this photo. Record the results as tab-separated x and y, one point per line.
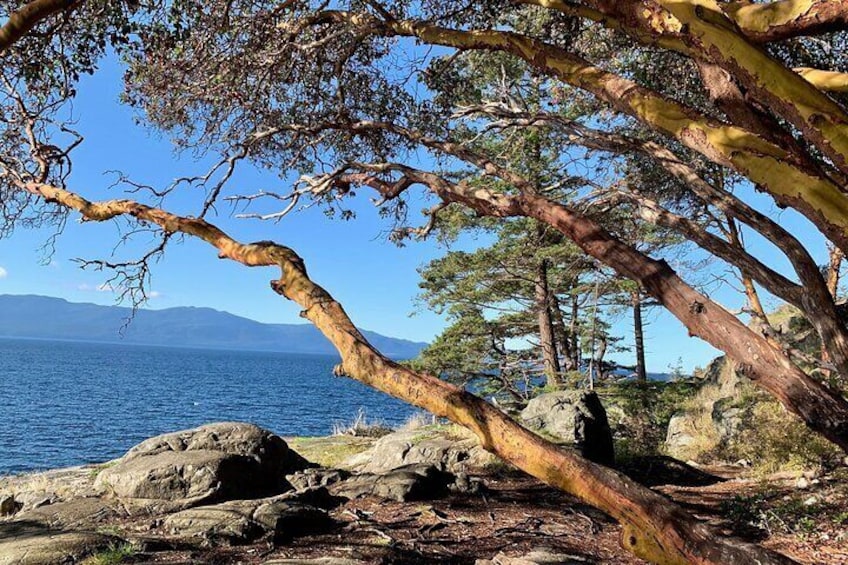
570	115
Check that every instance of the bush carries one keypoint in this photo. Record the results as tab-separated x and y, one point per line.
774	440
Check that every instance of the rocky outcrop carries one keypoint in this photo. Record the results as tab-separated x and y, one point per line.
712	417
574	416
211	463
218	485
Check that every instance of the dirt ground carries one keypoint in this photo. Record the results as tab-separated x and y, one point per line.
516	514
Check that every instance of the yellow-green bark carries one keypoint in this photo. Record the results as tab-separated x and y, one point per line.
772	168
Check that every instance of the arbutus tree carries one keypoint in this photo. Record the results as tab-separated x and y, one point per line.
287	85
282	84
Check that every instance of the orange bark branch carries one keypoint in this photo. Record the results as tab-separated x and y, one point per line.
653	527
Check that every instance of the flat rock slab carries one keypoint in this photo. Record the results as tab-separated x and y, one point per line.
32	490
412	482
243	521
80	513
25	543
317	477
318	561
538	557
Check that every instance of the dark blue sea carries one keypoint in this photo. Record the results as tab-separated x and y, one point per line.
69	403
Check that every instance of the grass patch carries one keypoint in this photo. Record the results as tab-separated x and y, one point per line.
362	427
330	451
115	553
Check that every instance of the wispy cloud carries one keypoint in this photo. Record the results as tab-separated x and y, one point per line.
85	287
154	294
3	273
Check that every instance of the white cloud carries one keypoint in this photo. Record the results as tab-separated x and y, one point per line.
85	287
3	273
154	294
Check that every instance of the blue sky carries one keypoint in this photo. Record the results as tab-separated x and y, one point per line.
372	278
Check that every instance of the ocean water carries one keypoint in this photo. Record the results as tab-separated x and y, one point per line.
69	403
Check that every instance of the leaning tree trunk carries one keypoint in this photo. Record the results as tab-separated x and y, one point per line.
652	527
550	358
638	335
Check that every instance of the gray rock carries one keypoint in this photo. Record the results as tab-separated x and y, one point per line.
211	463
244	521
536	557
25	543
227	523
193	477
407	447
317	561
715	414
316	477
577	416
419	481
227	437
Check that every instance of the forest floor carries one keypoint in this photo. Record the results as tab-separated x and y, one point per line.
515	515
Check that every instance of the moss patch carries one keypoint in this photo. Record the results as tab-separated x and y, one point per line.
329	451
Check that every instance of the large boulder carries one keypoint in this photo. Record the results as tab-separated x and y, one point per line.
576	416
211	463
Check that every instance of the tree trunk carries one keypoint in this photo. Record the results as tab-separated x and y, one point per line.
636	301
823	410
575	329
835	258
550	359
566	338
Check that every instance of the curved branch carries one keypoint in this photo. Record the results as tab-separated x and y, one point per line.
30	15
783	19
653	527
790	180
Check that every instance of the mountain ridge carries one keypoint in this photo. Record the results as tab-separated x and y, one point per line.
46	317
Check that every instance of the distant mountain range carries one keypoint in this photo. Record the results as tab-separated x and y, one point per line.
55	318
